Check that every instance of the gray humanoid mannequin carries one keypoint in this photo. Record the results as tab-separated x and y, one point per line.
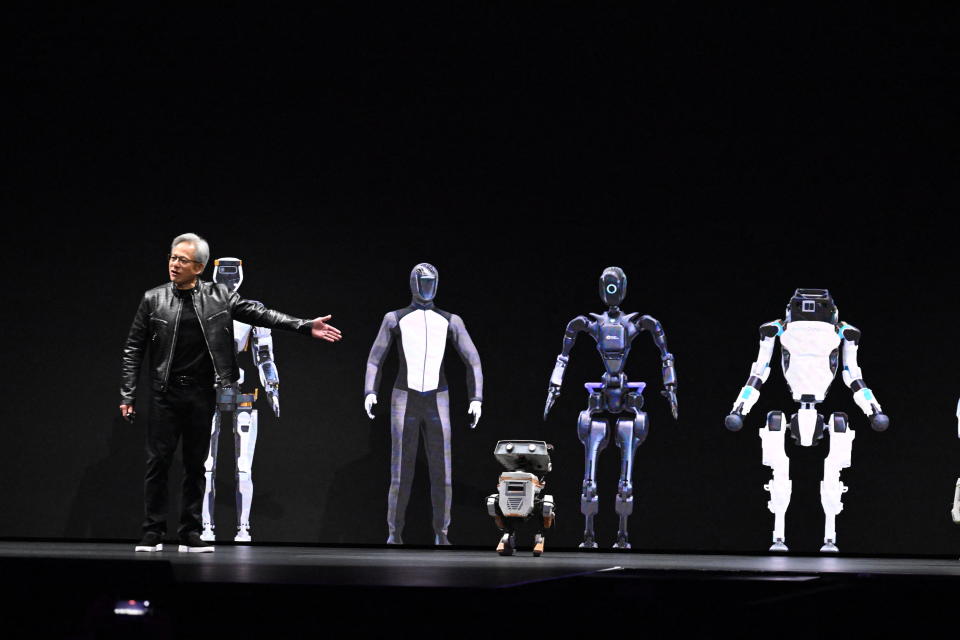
420	402
258	340
614	332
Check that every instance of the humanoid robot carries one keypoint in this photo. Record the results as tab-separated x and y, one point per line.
420	402
520	492
812	341
239	406
955	512
614	332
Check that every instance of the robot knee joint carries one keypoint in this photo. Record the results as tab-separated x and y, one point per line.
584	424
775	420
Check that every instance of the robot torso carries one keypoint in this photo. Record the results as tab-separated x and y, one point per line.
809	356
614	336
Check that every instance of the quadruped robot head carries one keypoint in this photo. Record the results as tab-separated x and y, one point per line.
613	286
228	271
423	282
813	305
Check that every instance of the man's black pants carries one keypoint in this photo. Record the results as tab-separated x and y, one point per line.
182	412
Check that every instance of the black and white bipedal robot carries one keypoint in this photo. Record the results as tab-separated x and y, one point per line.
520	492
614	332
239	406
814	344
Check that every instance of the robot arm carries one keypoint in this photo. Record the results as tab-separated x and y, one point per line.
578	324
263	358
379	350
853	378
648	323
471	359
759	372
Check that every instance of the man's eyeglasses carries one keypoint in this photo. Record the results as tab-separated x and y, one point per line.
181	260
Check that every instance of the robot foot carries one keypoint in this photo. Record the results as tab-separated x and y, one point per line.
778	545
622	543
538	543
441	540
243	535
394	539
588	543
207	535
507	545
829	546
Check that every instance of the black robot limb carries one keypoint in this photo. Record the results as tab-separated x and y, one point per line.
575	326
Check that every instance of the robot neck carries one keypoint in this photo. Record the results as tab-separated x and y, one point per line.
613	311
421	304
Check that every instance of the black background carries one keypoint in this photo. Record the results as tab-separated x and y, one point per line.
722	158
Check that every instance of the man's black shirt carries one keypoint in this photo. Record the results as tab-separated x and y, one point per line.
190	355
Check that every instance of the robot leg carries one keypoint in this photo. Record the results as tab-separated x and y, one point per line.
831	489
245	442
630	434
508	526
210	492
593	434
780	486
956	504
549	515
404	438
436	436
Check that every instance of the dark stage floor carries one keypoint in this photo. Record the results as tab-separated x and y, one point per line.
374	590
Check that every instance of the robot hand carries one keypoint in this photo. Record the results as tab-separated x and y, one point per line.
368	403
670	393
474	412
734	420
879	421
273	392
553	392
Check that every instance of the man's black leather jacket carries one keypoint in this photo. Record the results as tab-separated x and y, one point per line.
155	327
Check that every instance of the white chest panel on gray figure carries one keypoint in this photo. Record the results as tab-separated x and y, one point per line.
810	357
424	335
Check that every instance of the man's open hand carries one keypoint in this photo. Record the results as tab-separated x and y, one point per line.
324	331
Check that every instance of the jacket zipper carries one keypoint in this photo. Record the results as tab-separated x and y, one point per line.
205	341
426	348
173	345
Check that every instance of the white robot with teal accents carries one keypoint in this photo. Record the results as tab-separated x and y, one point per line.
812	343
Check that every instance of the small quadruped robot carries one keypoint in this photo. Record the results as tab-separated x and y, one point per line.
258	340
614	332
520	492
812	340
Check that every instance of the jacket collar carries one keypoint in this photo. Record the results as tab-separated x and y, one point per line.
197	288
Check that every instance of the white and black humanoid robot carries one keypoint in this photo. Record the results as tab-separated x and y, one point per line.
420	401
955	512
257	340
614	332
814	345
520	492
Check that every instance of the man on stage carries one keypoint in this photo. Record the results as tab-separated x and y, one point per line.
188	327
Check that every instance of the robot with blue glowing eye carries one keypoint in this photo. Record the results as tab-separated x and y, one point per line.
811	342
614	332
229	271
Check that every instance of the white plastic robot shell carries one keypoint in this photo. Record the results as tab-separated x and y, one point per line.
810	344
517	491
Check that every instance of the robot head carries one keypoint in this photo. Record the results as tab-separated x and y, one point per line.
423	282
613	286
228	271
812	304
